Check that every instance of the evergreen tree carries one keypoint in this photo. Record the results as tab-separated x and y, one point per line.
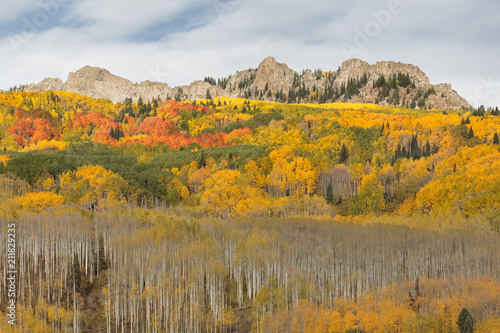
471	133
208	95
119	133
404	153
112	132
344	154
495	139
427	149
203	161
398	154
5	148
329	193
465	321
414	148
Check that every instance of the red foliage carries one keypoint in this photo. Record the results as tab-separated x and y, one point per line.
154	126
175	141
96	120
95	124
239	132
20	114
31	130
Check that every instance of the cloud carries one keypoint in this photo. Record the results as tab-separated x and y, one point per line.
180	41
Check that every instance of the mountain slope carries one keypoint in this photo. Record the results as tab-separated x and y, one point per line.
385	83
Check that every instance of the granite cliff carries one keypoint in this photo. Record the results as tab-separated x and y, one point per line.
385	83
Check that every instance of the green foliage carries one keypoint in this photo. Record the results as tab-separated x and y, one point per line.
329	193
177	159
465	321
344	154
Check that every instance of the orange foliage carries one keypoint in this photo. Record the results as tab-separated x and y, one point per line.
153	126
238	133
434	309
33	127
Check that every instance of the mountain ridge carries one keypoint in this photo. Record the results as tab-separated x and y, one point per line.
384	83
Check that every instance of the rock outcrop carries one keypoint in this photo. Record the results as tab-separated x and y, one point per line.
276	81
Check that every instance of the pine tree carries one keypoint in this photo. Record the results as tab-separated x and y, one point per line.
414	148
344	154
208	95
404	153
112	132
329	193
495	139
427	149
203	161
465	321
471	133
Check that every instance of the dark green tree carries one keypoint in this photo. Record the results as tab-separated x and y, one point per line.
465	322
414	148
203	161
404	153
329	193
470	135
495	139
344	154
427	149
112	132
208	95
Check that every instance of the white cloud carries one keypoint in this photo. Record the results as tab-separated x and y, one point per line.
452	41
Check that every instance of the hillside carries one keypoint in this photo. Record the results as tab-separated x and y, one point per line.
347	159
384	83
240	215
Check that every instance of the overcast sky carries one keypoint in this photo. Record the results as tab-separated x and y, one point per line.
179	41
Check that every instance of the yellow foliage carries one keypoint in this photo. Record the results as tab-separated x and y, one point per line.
222	178
94	185
39	200
44	144
4	159
467	181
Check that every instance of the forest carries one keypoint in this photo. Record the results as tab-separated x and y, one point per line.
239	215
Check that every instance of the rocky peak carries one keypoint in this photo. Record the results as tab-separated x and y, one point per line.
389	68
282	83
276	75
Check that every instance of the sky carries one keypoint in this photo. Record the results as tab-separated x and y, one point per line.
179	41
